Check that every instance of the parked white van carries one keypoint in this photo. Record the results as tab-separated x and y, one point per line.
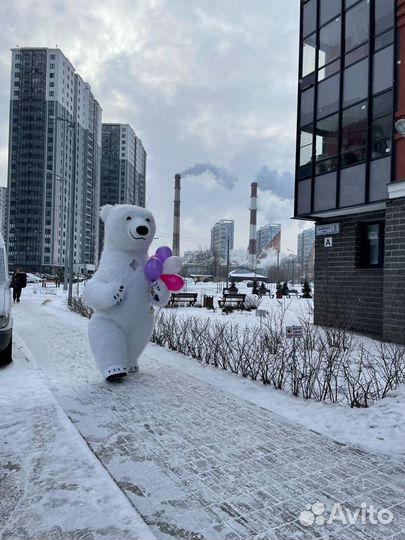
6	317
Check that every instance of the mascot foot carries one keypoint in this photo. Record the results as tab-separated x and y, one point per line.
114	373
133	369
115	377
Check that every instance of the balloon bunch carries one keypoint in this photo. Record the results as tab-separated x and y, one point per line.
164	265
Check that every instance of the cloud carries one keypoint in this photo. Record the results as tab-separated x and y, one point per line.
222	176
204	83
281	184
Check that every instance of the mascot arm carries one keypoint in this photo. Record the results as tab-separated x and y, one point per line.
102	295
160	293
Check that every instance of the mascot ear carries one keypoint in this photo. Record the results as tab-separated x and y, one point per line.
105	211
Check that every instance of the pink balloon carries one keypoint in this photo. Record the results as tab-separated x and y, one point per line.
153	268
174	282
163	253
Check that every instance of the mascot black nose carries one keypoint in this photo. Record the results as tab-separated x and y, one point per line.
142	230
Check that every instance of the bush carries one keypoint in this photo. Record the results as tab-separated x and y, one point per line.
78	306
325	365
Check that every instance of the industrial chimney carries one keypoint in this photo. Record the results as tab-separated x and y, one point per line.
176	216
253	222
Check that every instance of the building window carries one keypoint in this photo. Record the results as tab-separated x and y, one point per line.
357	54
52	66
352	185
325	192
304	197
383	72
326	144
52	75
328	96
307	106
51	84
357	27
373	245
380	174
328	70
382	125
384	15
355	82
329	42
354	134
52	57
305	159
51	94
329	9
383	40
308	55
309	18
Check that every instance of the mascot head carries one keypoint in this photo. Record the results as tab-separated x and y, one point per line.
127	227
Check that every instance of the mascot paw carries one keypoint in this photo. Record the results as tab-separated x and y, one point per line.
160	293
119	295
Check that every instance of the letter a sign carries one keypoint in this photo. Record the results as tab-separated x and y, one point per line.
327	241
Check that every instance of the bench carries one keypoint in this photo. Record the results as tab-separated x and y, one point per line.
183	298
293	292
232	299
263	292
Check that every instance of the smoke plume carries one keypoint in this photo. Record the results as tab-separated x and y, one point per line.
281	184
222	176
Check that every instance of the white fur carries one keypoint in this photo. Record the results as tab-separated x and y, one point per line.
122	296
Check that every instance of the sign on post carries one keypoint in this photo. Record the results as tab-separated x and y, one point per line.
327	241
261	312
294	332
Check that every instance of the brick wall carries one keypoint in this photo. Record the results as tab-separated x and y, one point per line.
394	271
346	294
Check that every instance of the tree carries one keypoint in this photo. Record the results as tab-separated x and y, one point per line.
306	290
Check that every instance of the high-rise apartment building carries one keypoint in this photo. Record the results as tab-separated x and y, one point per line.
140	166
268	239
3	210
350	160
123	168
54	148
306	252
222	234
118	174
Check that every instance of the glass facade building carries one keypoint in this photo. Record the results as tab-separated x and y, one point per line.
350	160
54	153
346	105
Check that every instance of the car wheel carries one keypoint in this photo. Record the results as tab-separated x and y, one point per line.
6	355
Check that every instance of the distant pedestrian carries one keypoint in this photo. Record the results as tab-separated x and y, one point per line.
18	282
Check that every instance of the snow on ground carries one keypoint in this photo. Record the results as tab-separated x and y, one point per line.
378	429
52	485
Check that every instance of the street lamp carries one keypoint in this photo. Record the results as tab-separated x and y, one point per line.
400	126
71	124
293	256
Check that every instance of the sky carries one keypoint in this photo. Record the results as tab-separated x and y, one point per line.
209	86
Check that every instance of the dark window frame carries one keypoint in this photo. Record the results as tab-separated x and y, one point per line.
365	244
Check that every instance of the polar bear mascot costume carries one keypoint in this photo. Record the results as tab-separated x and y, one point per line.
120	292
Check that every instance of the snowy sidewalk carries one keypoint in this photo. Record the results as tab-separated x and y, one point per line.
51	485
197	462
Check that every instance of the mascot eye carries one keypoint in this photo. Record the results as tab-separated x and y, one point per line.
129	218
147	220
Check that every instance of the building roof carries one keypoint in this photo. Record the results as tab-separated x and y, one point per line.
245	274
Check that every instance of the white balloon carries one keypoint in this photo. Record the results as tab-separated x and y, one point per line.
172	265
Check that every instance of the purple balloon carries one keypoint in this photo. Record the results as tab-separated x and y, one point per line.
153	268
163	253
